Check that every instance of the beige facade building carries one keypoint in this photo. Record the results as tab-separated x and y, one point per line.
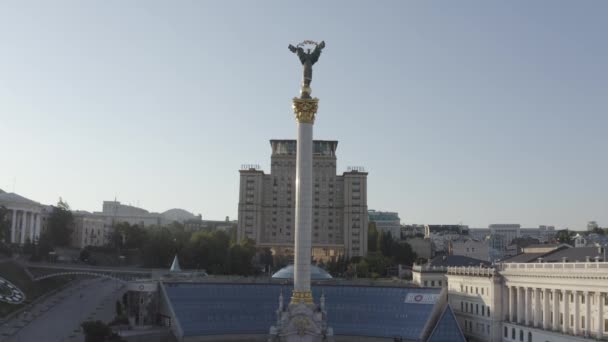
89	230
115	212
267	203
472	248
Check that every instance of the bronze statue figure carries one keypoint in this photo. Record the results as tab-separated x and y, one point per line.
307	58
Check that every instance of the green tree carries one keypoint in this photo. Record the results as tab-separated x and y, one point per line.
402	253
372	237
118	308
266	258
128	236
564	236
5	224
385	243
61	224
95	331
377	264
159	248
45	244
240	259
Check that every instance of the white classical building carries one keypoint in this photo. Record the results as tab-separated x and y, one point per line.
25	216
557	296
433	273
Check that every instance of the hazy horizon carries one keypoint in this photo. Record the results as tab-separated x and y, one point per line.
468	112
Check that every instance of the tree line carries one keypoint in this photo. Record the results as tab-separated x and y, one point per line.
384	253
216	252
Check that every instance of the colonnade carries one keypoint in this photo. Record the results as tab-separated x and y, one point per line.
24	222
566	311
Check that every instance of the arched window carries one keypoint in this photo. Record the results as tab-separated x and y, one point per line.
506	332
521	335
512	333
529	336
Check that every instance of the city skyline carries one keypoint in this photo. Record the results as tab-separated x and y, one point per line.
159	105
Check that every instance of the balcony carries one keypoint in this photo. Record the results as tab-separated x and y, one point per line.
471	271
532	334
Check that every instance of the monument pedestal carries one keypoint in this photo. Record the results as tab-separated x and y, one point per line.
301	322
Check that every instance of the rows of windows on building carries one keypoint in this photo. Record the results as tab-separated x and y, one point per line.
531	296
433	283
267	203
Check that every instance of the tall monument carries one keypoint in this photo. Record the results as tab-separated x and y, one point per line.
302	320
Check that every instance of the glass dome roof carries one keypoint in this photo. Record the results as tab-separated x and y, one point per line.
316	273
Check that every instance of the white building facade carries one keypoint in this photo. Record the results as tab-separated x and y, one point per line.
429	276
473	248
25	218
531	302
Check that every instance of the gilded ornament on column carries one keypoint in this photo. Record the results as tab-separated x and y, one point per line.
305	109
301	297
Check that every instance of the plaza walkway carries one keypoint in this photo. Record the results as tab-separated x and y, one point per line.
58	318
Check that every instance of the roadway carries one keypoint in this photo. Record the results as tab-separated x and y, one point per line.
58	318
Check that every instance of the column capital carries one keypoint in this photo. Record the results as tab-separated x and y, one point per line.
305	109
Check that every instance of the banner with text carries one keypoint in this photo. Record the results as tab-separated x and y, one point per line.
422	298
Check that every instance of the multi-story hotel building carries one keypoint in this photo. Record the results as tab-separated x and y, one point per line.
267	203
556	296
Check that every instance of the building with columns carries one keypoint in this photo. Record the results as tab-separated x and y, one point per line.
25	216
556	296
433	273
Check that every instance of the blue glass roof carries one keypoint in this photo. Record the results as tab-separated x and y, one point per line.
447	328
316	273
219	309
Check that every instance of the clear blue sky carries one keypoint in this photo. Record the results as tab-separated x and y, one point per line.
471	111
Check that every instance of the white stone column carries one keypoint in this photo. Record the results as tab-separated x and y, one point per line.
555	310
23	226
32	226
506	305
521	305
14	227
577	314
512	299
600	314
527	305
587	313
566	312
38	219
546	310
303	208
537	323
